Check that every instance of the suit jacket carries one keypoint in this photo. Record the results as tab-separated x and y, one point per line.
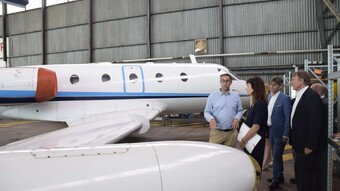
307	122
280	117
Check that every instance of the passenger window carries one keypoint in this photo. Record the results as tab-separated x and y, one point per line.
74	79
159	77
184	77
133	77
106	78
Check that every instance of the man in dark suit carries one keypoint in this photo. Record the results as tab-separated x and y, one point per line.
306	123
322	147
279	109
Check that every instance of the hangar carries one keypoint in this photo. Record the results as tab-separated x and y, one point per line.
262	38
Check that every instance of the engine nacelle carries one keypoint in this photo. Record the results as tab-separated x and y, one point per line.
27	85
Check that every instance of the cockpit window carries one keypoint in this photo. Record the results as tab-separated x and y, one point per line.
74	79
159	77
106	78
234	76
184	77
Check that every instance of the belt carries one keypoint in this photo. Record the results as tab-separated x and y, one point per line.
225	130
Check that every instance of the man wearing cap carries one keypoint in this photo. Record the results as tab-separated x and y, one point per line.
223	111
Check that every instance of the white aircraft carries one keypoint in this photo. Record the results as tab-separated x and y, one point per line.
103	103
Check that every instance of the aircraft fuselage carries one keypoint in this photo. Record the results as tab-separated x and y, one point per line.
85	89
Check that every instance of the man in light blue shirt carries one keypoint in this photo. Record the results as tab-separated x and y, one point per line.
223	111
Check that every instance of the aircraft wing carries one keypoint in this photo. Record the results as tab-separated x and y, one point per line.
90	131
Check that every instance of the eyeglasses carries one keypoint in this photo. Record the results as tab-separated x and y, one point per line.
225	81
274	84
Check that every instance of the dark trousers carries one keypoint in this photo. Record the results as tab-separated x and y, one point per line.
278	148
306	169
322	167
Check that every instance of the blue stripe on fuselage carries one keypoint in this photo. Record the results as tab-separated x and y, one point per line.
16	93
15	96
127	94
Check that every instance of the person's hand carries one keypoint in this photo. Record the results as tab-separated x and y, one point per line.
213	124
242	143
284	139
235	124
307	151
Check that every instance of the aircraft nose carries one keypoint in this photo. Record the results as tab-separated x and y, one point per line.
204	166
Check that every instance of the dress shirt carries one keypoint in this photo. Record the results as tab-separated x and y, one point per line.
223	108
270	107
297	99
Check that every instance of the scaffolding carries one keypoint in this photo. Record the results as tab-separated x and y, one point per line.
286	83
316	69
332	58
330	118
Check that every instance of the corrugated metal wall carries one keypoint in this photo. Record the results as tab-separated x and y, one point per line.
67	33
25	42
270	26
119	29
134	29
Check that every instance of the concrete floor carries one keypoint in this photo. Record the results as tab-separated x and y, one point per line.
177	129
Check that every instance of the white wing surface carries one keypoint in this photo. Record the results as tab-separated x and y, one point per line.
90	131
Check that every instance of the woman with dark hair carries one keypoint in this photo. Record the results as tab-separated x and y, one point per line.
256	118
